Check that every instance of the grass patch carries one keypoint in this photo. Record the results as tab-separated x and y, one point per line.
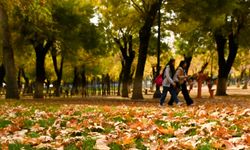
237	130
162	123
139	144
119	119
175	125
89	144
33	135
115	146
77	113
63	124
89	109
165	137
27	124
4	123
179	114
46	122
206	146
191	132
18	146
71	147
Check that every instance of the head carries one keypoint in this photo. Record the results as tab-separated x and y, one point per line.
183	64
171	62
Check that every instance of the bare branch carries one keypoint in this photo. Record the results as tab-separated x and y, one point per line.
137	7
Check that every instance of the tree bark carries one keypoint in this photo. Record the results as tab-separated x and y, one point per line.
27	86
84	81
2	75
225	65
128	56
120	80
188	60
41	51
8	57
58	71
157	93
75	82
144	36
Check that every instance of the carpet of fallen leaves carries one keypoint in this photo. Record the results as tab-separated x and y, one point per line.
31	125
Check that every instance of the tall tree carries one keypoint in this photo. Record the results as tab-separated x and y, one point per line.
148	10
121	22
128	55
8	55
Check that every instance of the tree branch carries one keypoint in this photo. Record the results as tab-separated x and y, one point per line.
137	7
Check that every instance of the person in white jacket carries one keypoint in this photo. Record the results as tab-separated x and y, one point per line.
180	78
168	83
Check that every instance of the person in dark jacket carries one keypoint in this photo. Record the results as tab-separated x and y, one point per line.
168	83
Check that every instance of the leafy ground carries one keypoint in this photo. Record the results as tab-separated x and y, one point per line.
71	124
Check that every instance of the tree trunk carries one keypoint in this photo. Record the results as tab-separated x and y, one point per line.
27	86
2	75
19	84
75	82
157	93
225	65
188	60
221	86
128	55
119	82
40	73
41	52
8	57
144	36
84	82
126	78
58	71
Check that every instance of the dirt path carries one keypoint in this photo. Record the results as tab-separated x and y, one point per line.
236	96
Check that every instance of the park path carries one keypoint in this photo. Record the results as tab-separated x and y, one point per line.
235	96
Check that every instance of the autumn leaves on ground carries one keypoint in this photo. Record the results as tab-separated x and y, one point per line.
221	123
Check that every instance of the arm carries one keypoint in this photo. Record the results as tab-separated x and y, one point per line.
168	77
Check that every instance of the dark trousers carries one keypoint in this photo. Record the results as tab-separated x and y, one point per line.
185	94
172	91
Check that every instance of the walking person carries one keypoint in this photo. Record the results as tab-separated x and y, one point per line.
168	83
180	78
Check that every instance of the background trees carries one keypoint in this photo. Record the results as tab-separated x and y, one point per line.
224	20
79	40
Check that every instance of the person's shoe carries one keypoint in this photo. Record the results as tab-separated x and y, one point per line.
191	104
179	103
161	105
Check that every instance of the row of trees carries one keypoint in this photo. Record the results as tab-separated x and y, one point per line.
81	34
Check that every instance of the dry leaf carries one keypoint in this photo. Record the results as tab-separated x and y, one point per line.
166	131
